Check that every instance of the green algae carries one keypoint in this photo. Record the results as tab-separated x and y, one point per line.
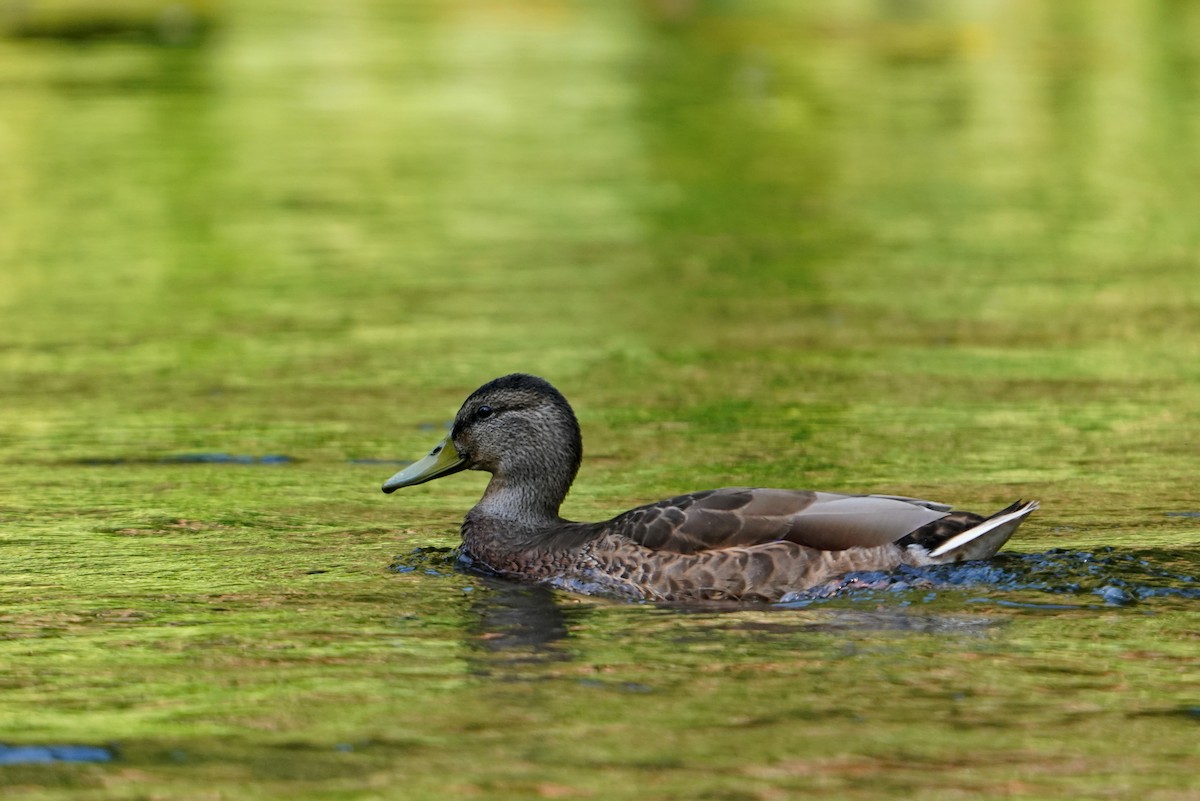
947	251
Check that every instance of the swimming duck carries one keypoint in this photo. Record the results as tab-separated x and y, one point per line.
738	543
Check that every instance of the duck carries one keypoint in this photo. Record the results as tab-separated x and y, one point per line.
749	544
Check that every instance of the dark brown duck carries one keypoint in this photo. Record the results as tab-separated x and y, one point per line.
736	543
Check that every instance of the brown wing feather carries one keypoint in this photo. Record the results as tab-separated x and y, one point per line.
739	516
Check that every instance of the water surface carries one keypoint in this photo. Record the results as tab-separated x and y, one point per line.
934	249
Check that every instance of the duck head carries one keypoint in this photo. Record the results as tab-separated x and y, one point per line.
518	428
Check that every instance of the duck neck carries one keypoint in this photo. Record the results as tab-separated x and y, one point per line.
530	501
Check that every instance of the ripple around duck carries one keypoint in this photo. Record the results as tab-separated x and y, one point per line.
431	560
1055	579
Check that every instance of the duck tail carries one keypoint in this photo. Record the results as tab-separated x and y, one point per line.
984	539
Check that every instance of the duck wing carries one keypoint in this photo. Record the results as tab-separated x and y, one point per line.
742	516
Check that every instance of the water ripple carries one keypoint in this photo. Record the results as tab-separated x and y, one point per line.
1106	577
43	754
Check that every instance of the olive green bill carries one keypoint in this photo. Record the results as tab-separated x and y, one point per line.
441	461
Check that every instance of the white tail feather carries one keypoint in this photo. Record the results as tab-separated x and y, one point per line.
985	539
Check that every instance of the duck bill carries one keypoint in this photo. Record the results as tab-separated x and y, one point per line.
441	461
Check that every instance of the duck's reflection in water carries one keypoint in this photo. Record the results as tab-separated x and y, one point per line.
515	624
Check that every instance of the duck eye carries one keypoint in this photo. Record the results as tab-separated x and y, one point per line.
484	412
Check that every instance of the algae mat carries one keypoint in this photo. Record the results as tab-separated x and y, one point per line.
253	258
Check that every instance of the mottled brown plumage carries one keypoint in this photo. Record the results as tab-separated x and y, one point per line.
734	543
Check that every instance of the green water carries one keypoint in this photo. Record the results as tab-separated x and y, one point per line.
927	248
